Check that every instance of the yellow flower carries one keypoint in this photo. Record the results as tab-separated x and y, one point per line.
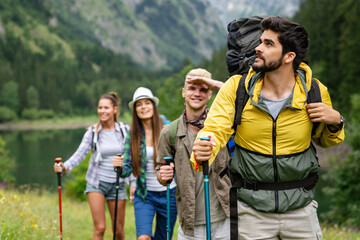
22	214
34	225
2	197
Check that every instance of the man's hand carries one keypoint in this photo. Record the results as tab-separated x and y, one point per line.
211	83
321	112
166	173
203	149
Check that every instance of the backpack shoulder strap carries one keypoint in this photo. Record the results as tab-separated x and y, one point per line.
124	129
314	96
241	98
94	138
314	92
172	136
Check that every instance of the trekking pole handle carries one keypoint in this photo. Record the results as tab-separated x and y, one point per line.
205	164
118	169
57	161
168	160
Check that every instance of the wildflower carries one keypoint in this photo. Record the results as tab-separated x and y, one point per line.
2	197
34	225
22	214
16	198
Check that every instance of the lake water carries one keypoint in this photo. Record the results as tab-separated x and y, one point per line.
35	152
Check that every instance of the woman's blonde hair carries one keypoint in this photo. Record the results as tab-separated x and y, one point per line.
199	72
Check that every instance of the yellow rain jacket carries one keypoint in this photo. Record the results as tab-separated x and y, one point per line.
267	149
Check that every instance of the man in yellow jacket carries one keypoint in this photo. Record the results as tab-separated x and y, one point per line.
274	157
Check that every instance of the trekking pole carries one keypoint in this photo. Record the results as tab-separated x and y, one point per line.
168	160
58	160
205	165
118	171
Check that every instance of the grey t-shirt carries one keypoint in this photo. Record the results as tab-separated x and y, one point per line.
152	184
217	212
109	147
274	106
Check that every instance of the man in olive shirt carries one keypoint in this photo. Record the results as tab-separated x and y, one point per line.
190	184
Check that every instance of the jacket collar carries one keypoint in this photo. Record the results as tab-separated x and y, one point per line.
254	82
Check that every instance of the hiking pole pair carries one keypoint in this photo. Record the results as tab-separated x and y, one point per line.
205	165
118	171
58	160
168	160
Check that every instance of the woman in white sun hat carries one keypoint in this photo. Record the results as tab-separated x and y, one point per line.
139	158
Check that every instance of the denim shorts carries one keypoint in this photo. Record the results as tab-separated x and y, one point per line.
108	189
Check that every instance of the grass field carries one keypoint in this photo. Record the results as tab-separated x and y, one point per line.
34	215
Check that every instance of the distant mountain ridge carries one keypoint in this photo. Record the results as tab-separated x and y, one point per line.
152	32
160	33
156	34
229	10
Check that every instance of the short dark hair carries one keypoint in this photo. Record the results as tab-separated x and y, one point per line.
293	37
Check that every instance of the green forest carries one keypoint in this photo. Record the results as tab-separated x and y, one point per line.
65	76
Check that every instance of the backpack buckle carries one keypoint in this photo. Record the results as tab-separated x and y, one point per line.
250	185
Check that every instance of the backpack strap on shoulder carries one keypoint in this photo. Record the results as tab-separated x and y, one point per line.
172	136
314	95
241	98
94	138
124	130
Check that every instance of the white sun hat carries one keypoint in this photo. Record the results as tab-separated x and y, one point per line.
142	93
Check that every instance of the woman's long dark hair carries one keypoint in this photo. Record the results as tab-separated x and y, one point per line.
136	132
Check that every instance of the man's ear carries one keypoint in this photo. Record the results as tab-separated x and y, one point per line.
183	92
289	57
210	94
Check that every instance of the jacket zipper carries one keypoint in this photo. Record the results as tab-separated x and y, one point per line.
276	174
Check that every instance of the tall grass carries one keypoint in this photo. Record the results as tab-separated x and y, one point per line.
34	215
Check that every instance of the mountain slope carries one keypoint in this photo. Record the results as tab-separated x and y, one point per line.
229	10
153	33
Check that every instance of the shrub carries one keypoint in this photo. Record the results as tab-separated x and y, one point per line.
45	114
30	113
7	165
75	185
7	115
345	174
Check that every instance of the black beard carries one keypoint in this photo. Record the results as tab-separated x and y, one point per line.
268	68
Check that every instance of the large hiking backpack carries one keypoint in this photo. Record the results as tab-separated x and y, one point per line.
243	37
